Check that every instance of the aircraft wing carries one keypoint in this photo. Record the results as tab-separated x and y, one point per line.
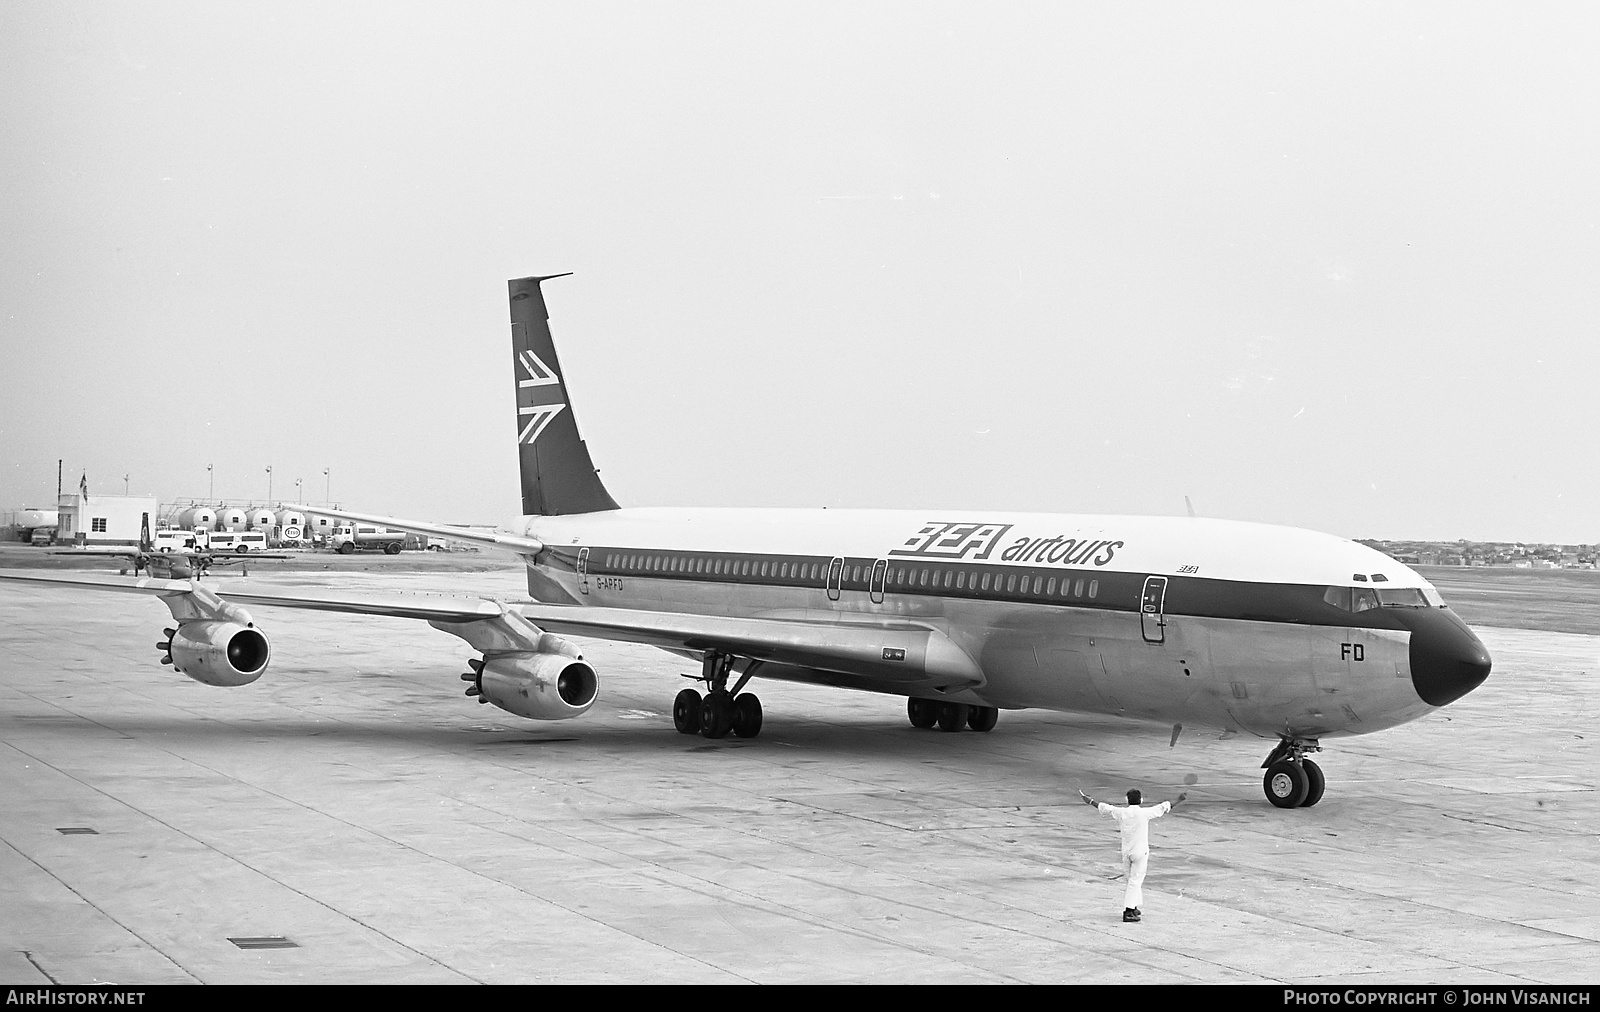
492	539
896	655
393	604
901	653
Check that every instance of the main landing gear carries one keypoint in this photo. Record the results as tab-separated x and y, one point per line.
720	710
1292	780
925	713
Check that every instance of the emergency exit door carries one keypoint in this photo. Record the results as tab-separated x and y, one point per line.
835	577
1151	616
583	570
880	571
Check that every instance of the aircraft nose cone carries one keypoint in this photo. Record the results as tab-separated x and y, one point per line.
1447	659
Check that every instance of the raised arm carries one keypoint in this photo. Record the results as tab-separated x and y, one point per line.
1092	803
1174	804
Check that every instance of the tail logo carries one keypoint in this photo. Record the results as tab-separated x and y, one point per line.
535	409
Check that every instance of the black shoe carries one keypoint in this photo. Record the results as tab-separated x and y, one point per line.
1130	914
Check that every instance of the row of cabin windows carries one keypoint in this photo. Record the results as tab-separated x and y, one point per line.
1038	586
715	567
899	576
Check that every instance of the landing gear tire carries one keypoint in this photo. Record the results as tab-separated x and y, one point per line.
1317	782
1286	784
924	713
716	714
983	718
952	716
686	712
746	715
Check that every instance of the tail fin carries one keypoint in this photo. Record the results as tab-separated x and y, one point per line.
558	477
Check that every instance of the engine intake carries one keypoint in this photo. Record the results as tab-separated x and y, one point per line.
218	653
539	686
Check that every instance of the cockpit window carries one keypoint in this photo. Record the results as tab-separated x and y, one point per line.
1402	597
1359	599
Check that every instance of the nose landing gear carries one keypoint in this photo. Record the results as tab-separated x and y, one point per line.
721	710
1292	780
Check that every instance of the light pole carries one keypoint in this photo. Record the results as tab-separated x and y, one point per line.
124	486
297	496
269	484
327	489
211	479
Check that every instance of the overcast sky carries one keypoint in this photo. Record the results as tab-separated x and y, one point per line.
1334	266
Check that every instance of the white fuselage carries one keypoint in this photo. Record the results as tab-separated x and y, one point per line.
1180	620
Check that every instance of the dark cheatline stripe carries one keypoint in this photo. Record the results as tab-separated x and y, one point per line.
1299	604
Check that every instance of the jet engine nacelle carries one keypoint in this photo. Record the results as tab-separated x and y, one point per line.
217	653
539	686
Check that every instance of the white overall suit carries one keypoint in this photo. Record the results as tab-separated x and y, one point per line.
1135	824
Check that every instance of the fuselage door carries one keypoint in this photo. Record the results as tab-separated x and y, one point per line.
880	569
835	576
1151	617
583	570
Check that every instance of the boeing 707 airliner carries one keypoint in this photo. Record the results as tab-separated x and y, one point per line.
1286	634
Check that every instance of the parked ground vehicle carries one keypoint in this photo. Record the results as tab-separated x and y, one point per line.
238	542
346	538
173	540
